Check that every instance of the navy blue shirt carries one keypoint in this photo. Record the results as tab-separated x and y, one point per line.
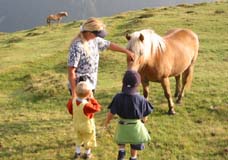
130	106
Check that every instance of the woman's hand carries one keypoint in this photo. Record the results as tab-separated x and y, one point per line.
131	55
117	48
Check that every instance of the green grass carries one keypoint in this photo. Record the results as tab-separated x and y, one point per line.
35	125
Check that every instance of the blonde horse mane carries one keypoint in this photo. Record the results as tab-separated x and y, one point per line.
158	43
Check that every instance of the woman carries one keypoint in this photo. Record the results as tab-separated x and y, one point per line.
84	53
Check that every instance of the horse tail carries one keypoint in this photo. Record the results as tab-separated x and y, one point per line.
189	77
196	48
188	74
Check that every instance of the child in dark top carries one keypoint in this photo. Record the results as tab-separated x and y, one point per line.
132	110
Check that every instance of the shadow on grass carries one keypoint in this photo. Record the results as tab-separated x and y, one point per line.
43	134
28	127
35	150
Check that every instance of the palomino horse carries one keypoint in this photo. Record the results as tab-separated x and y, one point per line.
158	58
56	17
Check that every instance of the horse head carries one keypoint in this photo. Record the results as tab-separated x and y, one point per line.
138	42
63	13
144	44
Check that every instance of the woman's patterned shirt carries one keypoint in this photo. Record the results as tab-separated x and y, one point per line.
86	64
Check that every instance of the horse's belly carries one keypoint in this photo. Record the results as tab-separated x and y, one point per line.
179	68
156	74
150	74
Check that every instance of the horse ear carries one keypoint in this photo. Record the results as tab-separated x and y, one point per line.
128	37
141	37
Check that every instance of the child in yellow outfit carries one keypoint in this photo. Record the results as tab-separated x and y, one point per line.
83	108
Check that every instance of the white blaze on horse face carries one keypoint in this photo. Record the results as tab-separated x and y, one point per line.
132	45
135	44
139	44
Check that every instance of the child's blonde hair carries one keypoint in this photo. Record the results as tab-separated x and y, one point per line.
83	89
92	24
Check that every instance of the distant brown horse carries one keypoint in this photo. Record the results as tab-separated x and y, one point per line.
158	58
56	17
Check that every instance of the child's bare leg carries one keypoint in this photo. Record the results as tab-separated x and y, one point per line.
133	154
134	150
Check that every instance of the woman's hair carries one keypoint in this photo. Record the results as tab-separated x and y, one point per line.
83	89
91	24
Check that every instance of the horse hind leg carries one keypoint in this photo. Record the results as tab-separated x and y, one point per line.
186	82
178	85
166	87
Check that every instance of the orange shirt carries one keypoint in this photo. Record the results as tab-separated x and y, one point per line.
89	109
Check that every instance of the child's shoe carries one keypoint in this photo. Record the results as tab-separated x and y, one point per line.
77	155
132	158
121	155
86	156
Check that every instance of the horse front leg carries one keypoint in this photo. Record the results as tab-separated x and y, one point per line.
167	92
145	85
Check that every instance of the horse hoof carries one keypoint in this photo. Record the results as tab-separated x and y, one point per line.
176	95
171	112
178	101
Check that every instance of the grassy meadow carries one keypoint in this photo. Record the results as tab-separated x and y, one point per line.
34	122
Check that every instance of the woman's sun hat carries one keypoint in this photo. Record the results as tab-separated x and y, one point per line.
95	26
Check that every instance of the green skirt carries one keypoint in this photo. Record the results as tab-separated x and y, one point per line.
131	131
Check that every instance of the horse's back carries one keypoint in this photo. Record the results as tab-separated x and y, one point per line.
52	17
182	45
181	34
183	40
